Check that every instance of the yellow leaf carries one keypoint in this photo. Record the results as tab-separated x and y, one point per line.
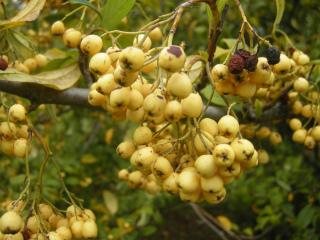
111	201
196	69
60	79
29	13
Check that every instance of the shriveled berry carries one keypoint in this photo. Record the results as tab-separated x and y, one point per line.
3	64
251	63
273	55
236	64
243	53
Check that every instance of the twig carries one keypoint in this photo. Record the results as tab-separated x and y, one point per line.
84	68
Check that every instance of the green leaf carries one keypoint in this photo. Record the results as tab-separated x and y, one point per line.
110	201
114	11
305	216
149	230
230	42
88	4
280	10
60	79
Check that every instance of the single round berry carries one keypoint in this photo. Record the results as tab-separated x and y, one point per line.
273	55
236	64
142	41
17	113
131	59
179	85
91	44
72	38
172	58
57	28
100	63
192	105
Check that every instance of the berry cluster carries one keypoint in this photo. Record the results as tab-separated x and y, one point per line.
47	224
244	74
196	167
14	132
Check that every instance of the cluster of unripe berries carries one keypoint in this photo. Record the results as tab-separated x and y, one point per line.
14	132
29	65
195	167
47	224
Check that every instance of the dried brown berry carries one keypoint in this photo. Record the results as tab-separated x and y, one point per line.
236	64
3	64
251	63
243	53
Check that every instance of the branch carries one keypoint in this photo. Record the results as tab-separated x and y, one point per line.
84	68
39	94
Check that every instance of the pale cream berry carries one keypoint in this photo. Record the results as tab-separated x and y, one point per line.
144	158
119	97
20	147
76	229
99	63
154	104
17	113
96	99
7	147
303	59
173	111
263	132
297	107
228	126
135	116
172	58
170	184
125	149
21	67
283	66
212	185
223	155
123	77
190	197
295	124
42	60
90	229
45	211
215	198
135	99
31	64
131	59
204	142
309	142
243	149
230	171
72	38
225	88
33	224
91	44
210	126
152	187
135	179
72	211
315	133
114	53
206	166
275	138
54	236
11	222
192	105
189	181
123	174
57	28
263	156
307	111
301	85
8	130
263	72
142	135
220	72
142	41
106	84
64	232
155	34
162	168
179	85
246	89
299	135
